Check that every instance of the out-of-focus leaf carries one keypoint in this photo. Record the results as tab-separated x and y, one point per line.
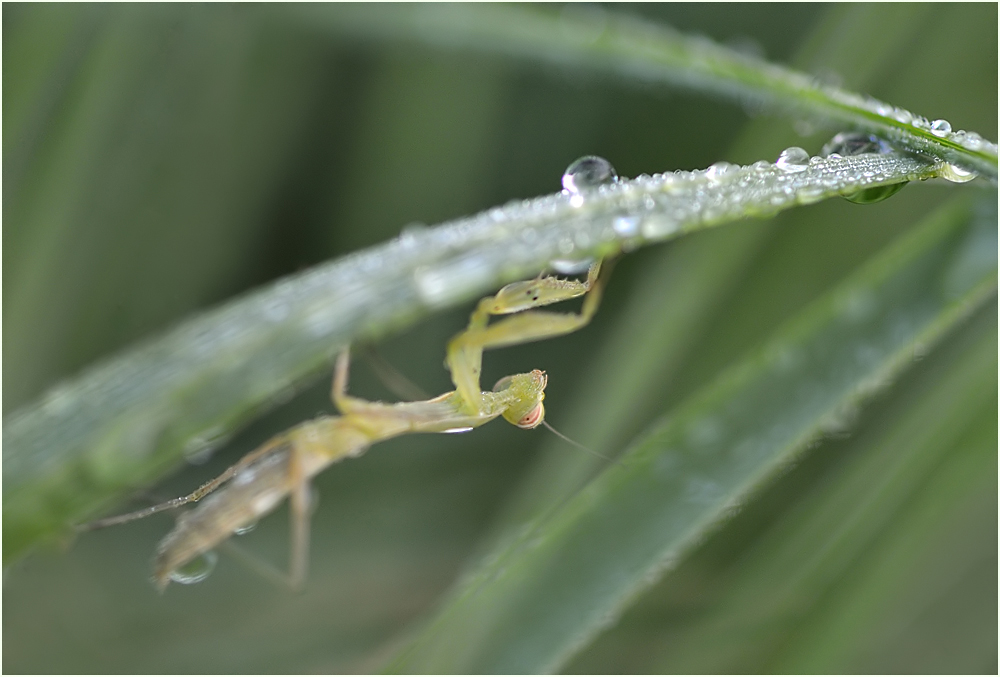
538	599
647	51
874	555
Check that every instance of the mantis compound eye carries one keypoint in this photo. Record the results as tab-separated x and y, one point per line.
533	418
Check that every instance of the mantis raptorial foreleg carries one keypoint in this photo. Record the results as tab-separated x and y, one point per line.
465	351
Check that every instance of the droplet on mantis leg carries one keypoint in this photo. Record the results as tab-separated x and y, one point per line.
196	570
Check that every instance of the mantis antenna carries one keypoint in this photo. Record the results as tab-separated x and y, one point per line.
581	446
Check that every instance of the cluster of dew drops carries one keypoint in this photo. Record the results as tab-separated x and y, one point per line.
590	172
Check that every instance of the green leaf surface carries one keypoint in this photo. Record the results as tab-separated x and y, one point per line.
828	570
641	50
126	421
537	600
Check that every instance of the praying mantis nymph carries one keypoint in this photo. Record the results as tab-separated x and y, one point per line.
284	465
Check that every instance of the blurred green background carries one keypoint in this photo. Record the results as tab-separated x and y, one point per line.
158	160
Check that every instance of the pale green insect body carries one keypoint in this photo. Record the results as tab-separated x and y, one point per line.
285	464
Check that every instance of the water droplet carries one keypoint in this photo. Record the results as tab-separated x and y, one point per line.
810	194
855	143
956	174
720	169
903	115
659	225
940	128
793	159
587	173
972	141
626	226
458	430
245	529
196	570
877	194
920	122
571	266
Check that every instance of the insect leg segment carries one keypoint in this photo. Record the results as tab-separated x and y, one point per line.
299	514
338	392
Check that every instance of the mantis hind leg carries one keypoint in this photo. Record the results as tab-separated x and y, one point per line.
338	393
299	512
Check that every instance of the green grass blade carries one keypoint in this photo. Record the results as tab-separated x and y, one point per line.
125	422
538	600
646	51
871	556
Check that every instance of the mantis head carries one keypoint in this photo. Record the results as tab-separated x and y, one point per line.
525	393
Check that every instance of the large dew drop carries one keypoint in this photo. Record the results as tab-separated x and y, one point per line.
793	159
196	570
941	128
587	173
857	143
956	174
